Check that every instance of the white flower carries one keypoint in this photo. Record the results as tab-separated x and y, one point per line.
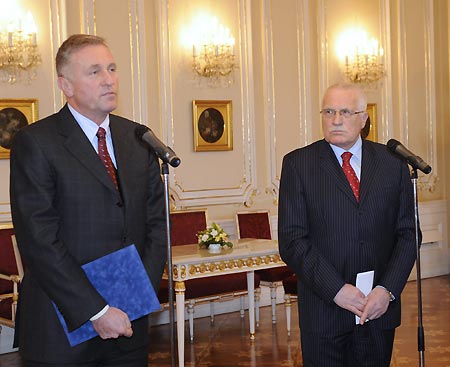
205	238
214	232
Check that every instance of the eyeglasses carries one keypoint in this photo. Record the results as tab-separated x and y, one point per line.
345	112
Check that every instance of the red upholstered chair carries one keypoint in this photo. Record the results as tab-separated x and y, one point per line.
256	224
11	274
290	294
184	228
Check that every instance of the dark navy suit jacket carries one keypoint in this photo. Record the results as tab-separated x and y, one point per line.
327	237
67	212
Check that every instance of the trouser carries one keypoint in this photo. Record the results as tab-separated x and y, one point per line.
365	346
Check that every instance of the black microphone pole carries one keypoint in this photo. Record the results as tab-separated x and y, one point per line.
173	349
420	330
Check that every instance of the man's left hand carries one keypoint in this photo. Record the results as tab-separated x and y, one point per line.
377	304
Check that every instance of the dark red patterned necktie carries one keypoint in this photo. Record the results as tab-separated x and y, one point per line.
104	156
350	173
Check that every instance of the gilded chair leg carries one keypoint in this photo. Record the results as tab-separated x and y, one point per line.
257	304
211	311
273	299
287	305
190	310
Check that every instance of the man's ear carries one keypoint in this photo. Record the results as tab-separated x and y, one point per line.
66	86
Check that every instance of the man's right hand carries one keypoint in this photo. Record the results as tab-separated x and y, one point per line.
351	298
112	324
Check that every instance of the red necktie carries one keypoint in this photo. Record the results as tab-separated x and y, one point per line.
350	173
104	156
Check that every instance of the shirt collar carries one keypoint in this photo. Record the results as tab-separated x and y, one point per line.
356	150
88	126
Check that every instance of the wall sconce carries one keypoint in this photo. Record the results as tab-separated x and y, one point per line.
213	58
362	57
19	55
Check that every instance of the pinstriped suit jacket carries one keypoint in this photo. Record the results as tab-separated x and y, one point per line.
66	212
327	237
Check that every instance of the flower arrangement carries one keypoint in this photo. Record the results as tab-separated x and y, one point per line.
213	234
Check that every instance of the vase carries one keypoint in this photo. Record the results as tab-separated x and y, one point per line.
214	248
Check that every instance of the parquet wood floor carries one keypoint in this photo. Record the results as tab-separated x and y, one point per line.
227	343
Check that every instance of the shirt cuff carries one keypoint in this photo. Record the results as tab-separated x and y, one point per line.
100	314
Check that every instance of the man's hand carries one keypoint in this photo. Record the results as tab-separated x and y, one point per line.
377	304
112	324
351	298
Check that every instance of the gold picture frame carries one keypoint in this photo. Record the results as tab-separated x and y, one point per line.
373	131
212	125
15	114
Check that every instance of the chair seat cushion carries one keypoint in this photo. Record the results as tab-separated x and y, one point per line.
206	287
290	285
274	274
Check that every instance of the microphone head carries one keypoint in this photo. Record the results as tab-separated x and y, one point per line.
392	144
140	130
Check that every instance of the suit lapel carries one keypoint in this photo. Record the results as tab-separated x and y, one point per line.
330	165
369	166
80	147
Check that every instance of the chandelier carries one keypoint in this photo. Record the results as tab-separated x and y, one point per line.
19	55
213	58
363	58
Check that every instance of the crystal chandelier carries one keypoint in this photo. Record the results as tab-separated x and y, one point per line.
19	55
363	57
213	58
215	62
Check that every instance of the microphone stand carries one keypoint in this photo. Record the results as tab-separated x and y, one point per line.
420	331
173	349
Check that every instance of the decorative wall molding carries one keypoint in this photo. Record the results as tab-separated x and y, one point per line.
304	86
138	60
242	192
87	11
425	182
386	113
58	33
5	213
273	180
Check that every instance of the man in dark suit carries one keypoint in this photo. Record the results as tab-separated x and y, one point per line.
330	231
67	211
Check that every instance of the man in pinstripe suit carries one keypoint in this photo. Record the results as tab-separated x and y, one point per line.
328	235
67	211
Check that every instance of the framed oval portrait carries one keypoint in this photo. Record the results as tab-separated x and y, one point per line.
212	125
14	115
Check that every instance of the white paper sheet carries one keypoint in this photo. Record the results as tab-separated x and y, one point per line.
364	282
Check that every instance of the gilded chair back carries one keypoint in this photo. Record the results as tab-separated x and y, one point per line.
11	274
185	224
253	224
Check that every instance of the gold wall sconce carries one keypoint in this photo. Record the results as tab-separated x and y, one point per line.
19	55
362	57
213	58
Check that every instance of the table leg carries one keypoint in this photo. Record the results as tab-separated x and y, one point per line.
179	297
251	302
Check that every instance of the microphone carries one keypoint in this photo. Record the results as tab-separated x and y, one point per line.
166	154
414	160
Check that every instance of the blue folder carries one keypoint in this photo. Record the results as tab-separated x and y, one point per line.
121	279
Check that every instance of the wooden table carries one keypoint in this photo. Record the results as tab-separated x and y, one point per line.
190	262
